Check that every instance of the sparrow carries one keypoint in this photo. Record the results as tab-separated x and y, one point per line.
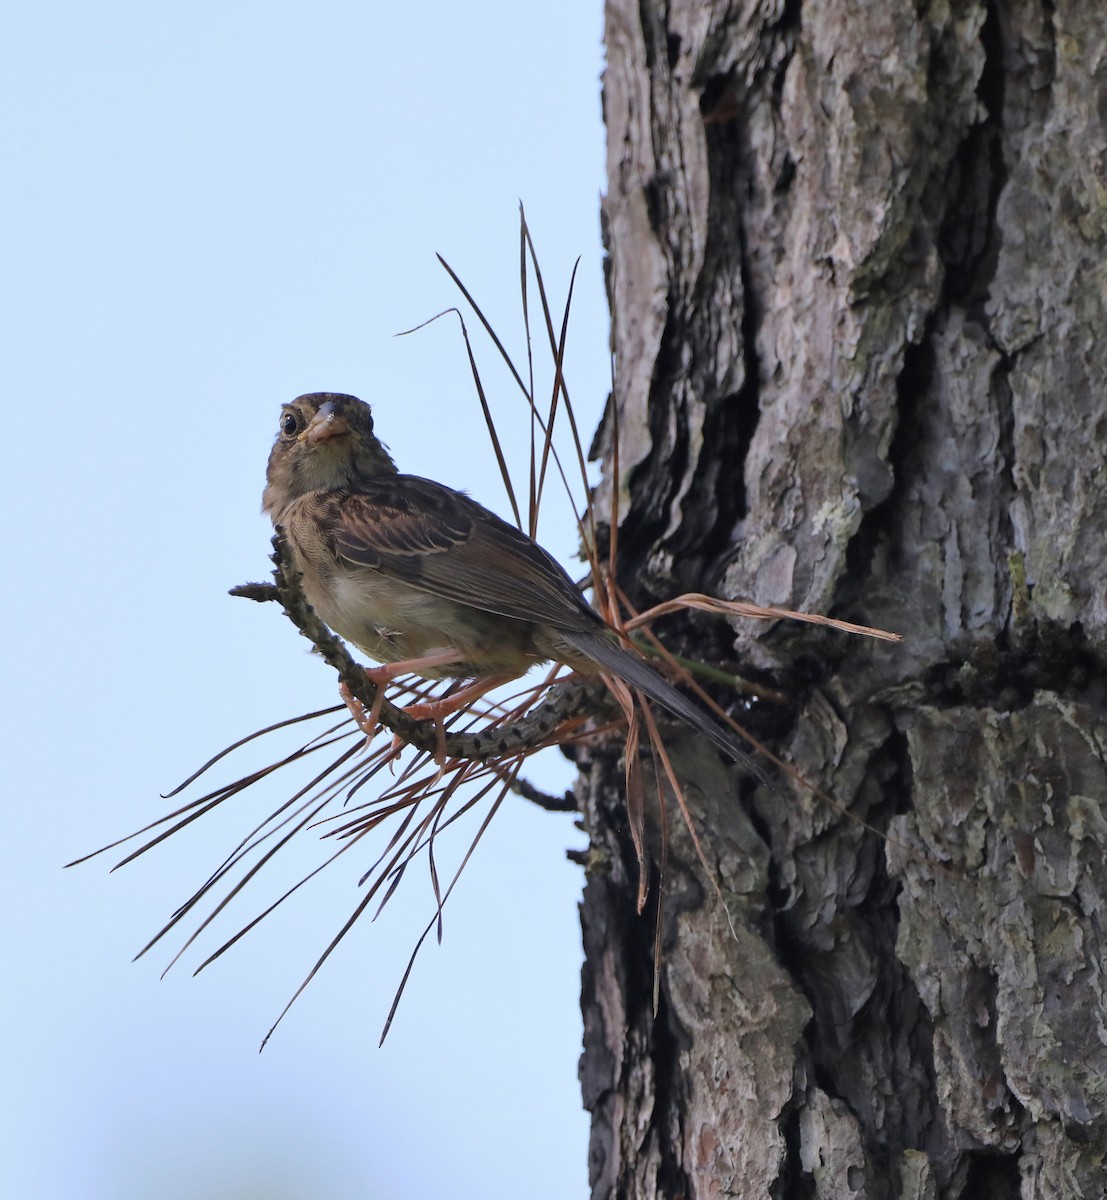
423	578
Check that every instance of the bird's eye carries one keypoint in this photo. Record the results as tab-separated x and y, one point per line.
290	423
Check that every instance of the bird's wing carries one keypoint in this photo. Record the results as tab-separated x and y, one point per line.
433	538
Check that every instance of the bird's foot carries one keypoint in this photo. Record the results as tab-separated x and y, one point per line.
380	677
438	710
425	710
367	722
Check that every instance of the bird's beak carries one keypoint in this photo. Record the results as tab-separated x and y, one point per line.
327	423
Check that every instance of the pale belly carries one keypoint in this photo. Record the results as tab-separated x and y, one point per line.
393	622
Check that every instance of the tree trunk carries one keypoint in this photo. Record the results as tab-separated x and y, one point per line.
857	267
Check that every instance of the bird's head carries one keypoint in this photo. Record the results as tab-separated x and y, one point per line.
325	441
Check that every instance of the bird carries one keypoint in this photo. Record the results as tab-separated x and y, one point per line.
426	580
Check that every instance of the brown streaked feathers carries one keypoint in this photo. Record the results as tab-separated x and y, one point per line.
406	568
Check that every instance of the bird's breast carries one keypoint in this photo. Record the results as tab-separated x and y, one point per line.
393	621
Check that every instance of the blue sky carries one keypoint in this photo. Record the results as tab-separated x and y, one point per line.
209	209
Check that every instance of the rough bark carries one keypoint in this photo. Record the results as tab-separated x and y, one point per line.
858	268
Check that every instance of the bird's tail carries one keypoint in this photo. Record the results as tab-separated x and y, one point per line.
611	657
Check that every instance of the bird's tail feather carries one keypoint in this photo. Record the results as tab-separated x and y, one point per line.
612	657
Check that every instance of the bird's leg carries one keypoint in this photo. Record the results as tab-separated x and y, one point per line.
383	675
436	710
386	672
